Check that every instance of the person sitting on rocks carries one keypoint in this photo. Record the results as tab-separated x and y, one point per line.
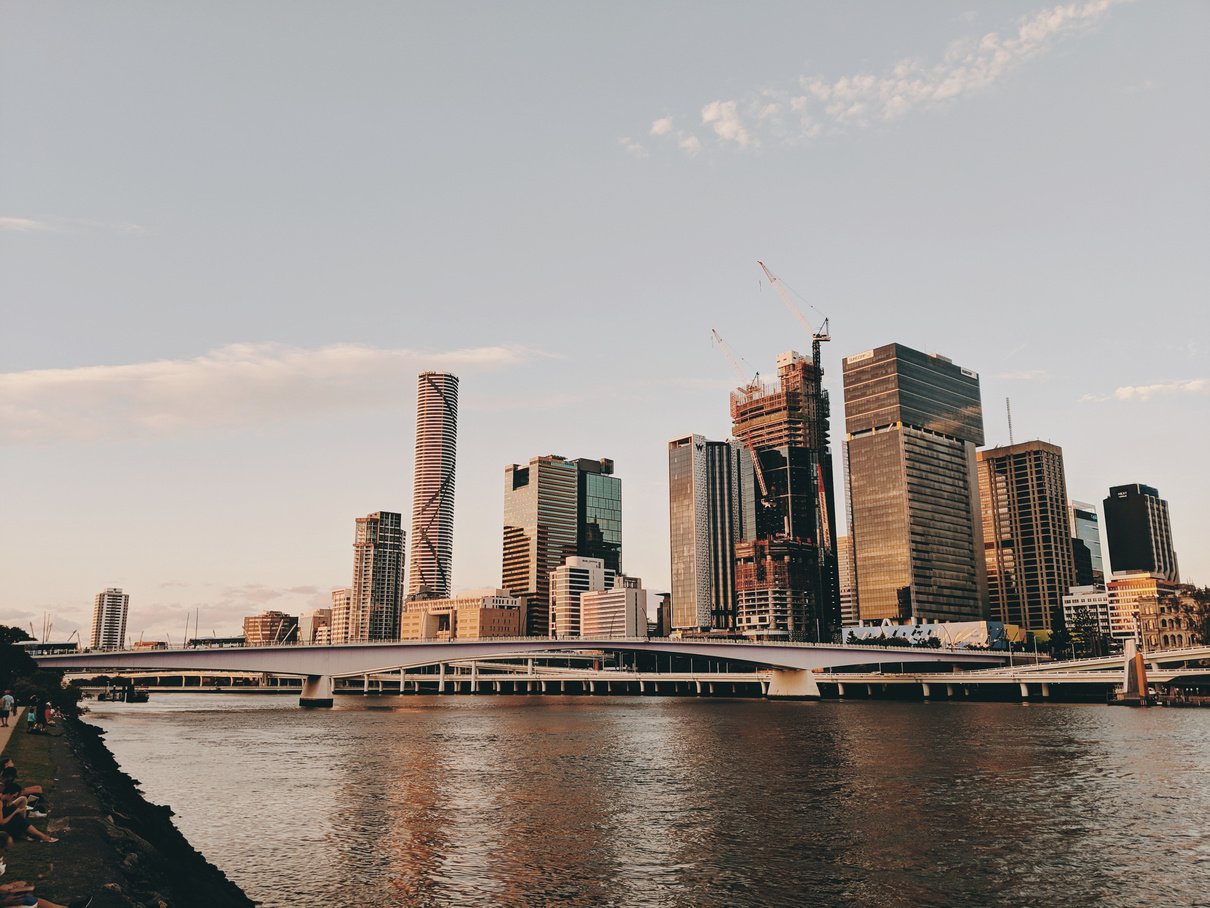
13	820
19	892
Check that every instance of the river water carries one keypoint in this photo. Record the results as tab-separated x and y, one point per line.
499	800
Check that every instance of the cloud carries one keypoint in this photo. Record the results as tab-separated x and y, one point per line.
815	105
23	225
234	385
632	147
1160	389
67	225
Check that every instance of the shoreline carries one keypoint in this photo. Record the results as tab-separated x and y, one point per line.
114	844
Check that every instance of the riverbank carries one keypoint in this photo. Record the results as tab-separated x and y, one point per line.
113	844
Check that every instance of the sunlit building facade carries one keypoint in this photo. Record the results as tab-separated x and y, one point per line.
1027	539
473	615
913	422
433	483
109	610
567	582
620	611
555	508
270	628
376	600
848	581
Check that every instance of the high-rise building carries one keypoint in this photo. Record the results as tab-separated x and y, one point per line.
433	483
1086	543
599	512
1139	532
1027	539
109	619
786	424
555	508
376	600
270	628
342	613
913	421
575	576
848	581
706	481
1126	591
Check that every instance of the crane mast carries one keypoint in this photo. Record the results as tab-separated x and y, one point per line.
766	499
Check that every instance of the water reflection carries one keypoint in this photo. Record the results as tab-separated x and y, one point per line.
646	801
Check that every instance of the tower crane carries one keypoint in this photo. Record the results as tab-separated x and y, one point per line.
816	336
766	499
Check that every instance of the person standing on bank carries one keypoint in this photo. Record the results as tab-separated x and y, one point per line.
7	706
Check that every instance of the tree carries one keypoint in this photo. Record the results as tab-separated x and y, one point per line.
1195	608
1087	630
1060	636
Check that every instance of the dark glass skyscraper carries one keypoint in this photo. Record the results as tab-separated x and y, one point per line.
555	508
1139	532
378	559
913	421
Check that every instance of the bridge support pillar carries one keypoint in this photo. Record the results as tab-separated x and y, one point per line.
840	689
316	691
949	691
925	690
1024	691
792	684
1045	691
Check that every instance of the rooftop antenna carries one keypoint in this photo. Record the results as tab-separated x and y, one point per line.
1008	406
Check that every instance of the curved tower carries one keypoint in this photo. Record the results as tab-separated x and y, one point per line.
433	483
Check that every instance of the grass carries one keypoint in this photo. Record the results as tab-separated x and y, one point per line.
29	860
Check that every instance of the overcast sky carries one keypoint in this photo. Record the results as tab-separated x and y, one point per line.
231	233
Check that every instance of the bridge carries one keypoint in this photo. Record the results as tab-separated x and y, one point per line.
791	665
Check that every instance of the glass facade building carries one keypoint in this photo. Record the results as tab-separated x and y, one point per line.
1086	540
706	512
913	421
1026	533
555	508
1139	532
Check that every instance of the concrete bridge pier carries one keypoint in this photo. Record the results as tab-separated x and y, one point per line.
792	684
925	690
316	691
1024	691
840	689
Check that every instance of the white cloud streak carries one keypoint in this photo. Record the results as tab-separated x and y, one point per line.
68	225
815	106
234	385
1159	389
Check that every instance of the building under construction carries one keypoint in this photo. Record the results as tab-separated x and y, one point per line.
786	578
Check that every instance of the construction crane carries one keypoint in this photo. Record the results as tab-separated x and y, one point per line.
766	499
816	336
817	418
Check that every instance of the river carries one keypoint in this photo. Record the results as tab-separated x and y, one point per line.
646	801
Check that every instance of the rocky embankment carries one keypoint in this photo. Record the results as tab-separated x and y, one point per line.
115	845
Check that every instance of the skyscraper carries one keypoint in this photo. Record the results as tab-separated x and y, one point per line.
1139	532
1026	533
913	421
378	559
109	619
433	483
785	575
1086	540
706	480
555	508
848	581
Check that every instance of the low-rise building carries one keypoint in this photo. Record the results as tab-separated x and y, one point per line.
1094	598
1126	590
617	612
315	626
474	615
270	628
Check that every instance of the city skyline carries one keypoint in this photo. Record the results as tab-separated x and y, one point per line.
194	332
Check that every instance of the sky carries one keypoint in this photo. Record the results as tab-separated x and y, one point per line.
232	233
